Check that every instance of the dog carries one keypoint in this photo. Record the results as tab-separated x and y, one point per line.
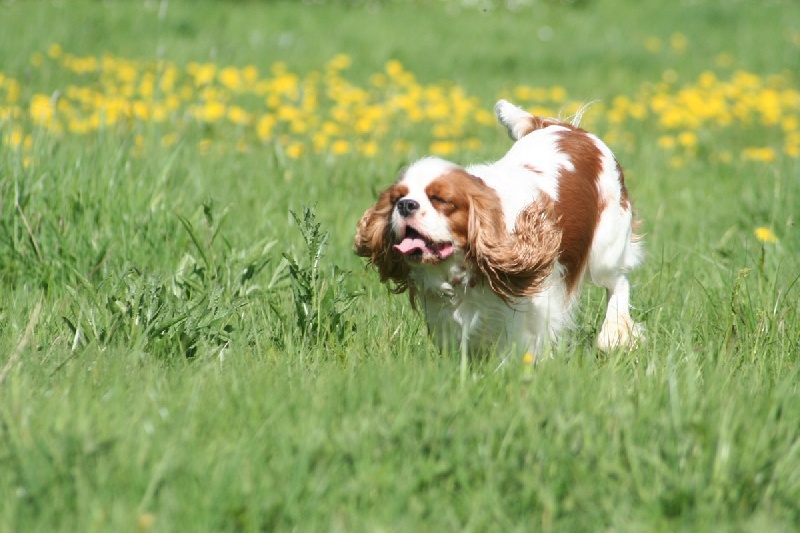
496	253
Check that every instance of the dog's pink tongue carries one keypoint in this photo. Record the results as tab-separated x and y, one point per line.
410	245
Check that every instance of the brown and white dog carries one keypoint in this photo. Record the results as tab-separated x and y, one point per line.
496	253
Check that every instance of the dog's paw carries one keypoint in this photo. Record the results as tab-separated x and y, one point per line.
620	333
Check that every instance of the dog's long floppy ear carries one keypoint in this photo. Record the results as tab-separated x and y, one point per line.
374	241
516	264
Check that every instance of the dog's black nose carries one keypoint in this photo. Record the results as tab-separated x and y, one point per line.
406	207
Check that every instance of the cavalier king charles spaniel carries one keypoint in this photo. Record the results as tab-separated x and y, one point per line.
496	253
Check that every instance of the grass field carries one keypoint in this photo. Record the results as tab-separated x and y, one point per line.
187	342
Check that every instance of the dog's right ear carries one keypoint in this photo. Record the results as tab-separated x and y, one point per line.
374	240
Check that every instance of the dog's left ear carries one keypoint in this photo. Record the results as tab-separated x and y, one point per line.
374	241
517	264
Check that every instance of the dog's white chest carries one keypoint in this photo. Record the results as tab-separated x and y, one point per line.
456	305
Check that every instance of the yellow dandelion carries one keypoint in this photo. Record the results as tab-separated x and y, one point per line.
141	110
790	123
688	139
340	147
319	141
763	154
230	78
340	62
250	74
212	111
295	150
368	148
442	147
238	115
558	94
765	235
264	126
394	68
41	109
667	142
15	138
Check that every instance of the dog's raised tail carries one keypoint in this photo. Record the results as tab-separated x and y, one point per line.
519	122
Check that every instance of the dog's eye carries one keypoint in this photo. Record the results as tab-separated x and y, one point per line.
438	200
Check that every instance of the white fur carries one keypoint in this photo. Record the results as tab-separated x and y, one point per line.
453	305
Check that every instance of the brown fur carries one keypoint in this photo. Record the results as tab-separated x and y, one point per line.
538	122
374	239
578	207
514	265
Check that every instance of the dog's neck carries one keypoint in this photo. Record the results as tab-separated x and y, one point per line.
447	279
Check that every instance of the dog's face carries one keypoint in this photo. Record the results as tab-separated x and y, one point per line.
437	211
432	204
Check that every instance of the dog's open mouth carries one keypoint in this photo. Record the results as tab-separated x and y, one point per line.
417	247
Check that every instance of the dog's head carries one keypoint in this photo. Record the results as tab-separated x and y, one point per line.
436	212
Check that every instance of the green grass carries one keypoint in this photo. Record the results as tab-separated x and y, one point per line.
181	353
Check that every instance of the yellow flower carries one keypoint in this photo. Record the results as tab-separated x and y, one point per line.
688	139
238	115
340	147
394	68
230	78
764	154
666	142
295	150
368	149
790	124
41	109
250	74
211	111
558	94
765	235
264	126
340	62
443	147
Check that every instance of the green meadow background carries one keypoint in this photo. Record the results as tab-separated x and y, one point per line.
187	342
